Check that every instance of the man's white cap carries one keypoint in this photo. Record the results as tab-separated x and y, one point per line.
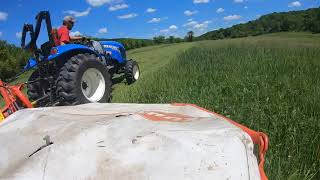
69	19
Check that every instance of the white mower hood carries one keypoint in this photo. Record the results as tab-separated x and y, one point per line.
122	142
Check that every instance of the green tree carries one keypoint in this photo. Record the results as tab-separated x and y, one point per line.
159	39
178	40
171	39
12	60
190	36
305	20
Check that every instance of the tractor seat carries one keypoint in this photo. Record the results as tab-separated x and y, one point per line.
55	36
46	47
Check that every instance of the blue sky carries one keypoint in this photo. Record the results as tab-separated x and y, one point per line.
140	18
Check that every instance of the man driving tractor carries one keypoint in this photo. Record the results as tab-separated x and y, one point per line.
64	30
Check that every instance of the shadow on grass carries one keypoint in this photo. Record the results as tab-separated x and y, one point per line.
117	80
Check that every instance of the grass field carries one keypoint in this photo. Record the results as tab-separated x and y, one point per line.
269	83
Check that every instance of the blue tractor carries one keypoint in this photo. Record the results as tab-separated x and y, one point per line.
75	73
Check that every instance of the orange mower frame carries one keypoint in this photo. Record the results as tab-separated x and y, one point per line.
258	138
14	99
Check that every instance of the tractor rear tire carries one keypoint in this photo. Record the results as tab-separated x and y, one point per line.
34	89
132	71
83	79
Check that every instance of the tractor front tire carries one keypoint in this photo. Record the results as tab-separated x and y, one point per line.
83	79
132	71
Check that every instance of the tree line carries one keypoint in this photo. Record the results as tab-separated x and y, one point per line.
130	43
12	60
305	20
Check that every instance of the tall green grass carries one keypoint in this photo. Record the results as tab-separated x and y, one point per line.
270	84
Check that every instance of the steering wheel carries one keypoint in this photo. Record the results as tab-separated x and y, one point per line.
84	41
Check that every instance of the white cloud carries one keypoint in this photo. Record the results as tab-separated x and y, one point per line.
197	26
164	30
0	33
220	10
190	19
238	1
173	27
200	1
75	33
118	7
78	13
246	7
151	10
3	16
294	4
170	29
190	13
97	3
200	26
154	20
128	16
190	24
232	17
103	30
18	35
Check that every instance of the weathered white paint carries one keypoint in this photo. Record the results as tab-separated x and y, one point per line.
90	142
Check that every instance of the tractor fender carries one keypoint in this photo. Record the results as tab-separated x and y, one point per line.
64	52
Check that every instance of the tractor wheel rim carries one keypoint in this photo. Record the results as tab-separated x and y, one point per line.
136	72
93	85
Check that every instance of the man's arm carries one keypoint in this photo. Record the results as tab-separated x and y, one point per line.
76	38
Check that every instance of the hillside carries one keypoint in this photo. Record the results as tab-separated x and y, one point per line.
293	21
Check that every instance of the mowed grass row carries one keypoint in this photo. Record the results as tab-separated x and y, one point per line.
269	83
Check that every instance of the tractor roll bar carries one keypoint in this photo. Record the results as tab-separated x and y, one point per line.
34	32
26	28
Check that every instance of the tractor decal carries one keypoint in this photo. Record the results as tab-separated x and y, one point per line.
115	48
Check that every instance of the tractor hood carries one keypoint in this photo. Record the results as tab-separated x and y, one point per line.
107	44
115	49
